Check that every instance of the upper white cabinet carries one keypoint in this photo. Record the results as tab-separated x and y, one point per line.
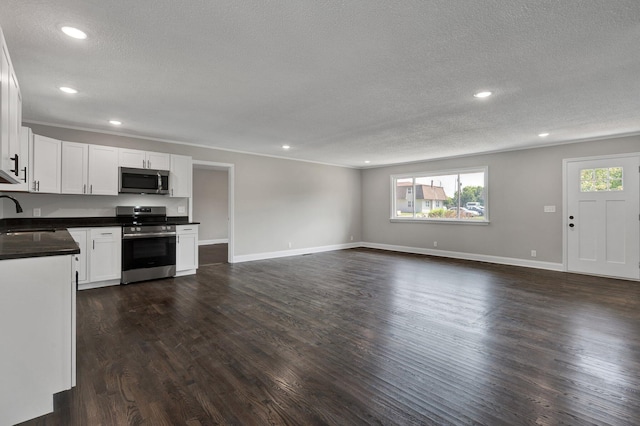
143	159
46	161
181	176
26	137
103	170
75	167
11	155
89	169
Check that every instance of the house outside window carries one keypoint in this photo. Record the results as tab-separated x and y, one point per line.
452	196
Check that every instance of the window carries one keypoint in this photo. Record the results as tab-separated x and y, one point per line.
441	196
595	180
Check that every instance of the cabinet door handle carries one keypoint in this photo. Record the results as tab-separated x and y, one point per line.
38	186
177	239
106	233
91	189
25	174
16	170
94	244
84	188
144	164
148	164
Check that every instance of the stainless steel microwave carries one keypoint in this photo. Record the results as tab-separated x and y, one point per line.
143	181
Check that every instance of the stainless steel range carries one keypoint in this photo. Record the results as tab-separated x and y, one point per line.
148	243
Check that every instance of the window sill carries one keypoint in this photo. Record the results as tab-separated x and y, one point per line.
441	221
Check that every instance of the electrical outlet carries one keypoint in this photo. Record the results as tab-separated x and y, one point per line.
290	244
549	209
352	238
533	253
435	244
181	209
36	212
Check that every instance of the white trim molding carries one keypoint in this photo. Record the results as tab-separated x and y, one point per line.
293	252
210	242
551	266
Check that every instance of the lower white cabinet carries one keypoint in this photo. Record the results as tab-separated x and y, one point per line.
99	261
186	249
37	318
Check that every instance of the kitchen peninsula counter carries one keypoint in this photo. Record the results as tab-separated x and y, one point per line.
25	244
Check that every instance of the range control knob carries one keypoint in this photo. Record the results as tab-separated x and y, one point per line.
133	229
138	229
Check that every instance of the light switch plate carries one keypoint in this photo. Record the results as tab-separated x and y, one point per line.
549	209
36	212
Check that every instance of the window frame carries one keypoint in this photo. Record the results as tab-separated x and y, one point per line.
414	175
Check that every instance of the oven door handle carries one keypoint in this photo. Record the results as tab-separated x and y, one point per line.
151	234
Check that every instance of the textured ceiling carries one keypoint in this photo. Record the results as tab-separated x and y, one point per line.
339	81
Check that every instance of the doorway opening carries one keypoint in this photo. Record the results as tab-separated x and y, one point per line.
213	206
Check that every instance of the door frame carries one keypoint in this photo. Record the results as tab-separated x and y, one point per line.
230	168
565	199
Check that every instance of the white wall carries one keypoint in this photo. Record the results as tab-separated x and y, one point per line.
211	203
520	184
277	201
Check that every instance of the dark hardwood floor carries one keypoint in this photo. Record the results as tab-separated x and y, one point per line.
358	337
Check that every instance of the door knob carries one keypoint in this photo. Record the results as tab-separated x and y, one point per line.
571	225
570	217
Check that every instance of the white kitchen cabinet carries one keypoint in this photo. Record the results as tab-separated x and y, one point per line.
105	254
26	137
186	249
46	163
36	324
143	159
80	261
181	176
11	160
103	170
75	168
89	169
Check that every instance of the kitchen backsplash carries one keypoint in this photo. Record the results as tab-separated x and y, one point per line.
56	205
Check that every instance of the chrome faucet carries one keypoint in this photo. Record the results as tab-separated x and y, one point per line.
18	206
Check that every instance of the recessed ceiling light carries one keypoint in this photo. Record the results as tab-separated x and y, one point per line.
485	94
366	161
74	32
68	90
544	134
115	122
285	147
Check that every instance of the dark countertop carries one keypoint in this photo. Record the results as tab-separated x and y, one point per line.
18	245
41	223
41	236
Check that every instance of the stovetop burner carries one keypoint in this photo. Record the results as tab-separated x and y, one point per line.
141	215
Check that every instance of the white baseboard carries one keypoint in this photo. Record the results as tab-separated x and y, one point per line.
293	252
186	272
98	284
468	256
209	242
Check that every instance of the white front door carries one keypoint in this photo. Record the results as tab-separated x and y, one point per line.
603	216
